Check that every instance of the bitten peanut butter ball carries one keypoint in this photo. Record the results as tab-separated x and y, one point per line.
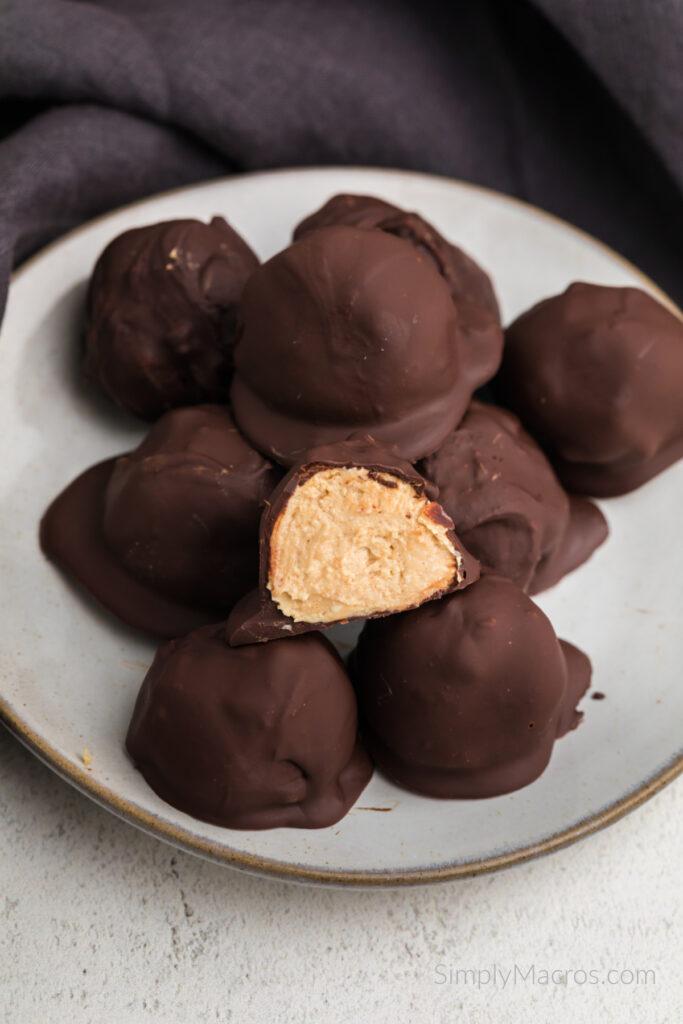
350	330
166	537
506	503
160	321
596	375
351	532
466	696
465	278
250	738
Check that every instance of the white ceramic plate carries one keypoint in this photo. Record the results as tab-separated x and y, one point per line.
69	674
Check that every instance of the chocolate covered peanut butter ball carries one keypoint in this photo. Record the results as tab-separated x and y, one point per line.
506	503
352	531
596	375
350	330
252	737
161	310
465	697
467	281
166	537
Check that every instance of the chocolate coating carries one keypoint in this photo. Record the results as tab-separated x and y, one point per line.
587	529
364	212
465	278
506	503
350	330
161	314
466	696
250	738
166	536
596	375
257	618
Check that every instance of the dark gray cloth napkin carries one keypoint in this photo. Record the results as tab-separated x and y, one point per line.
577	107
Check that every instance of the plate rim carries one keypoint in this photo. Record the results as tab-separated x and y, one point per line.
186	840
266	866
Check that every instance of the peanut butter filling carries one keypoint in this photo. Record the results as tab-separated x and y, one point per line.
352	542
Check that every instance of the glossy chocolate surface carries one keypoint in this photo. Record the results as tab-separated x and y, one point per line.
350	330
465	697
506	503
166	537
465	278
161	311
596	375
250	738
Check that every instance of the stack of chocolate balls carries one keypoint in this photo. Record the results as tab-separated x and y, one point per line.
317	456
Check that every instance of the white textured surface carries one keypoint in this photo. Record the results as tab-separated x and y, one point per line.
101	923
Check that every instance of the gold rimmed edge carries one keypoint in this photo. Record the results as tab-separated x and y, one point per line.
130	812
82	780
